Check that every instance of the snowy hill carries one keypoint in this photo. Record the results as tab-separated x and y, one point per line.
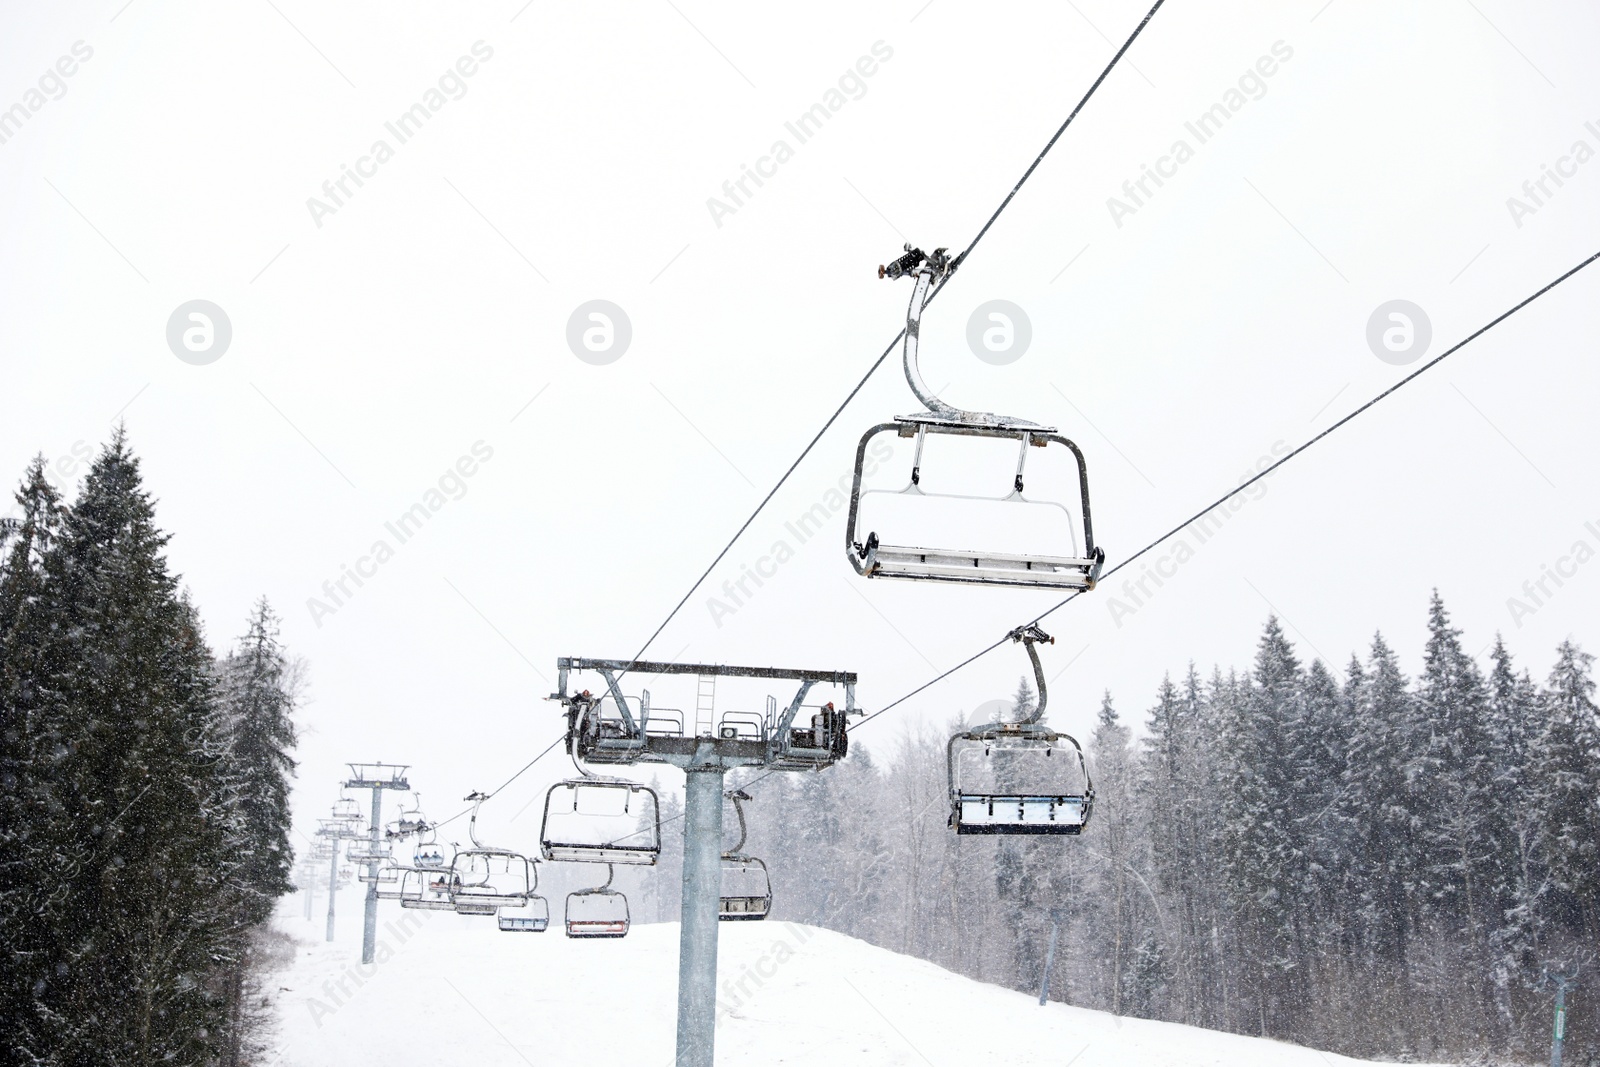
451	990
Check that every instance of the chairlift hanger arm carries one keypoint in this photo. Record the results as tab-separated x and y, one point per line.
738	796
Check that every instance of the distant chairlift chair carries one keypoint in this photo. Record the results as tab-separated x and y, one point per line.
1076	565
426	889
601	912
746	885
1019	777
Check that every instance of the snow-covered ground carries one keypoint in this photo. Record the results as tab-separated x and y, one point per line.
451	990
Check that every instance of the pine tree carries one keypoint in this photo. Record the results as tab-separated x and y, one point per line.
132	902
32	818
1259	861
1467	837
1114	830
258	706
1567	758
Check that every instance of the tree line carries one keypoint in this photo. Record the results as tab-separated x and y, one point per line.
1362	862
144	781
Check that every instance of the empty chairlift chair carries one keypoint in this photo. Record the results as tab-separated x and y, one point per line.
601	912
533	917
394	887
346	810
746	885
601	820
1069	559
384	876
484	879
1018	776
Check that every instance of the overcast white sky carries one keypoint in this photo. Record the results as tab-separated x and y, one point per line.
375	345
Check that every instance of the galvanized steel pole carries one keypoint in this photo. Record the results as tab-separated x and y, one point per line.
369	928
333	880
702	892
1049	958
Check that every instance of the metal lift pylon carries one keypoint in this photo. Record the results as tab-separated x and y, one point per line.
376	777
606	731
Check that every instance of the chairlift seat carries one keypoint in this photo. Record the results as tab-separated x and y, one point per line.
982	813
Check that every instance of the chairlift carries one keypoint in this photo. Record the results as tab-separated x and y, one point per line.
746	886
598	912
486	877
1019	776
601	820
363	852
345	809
393	887
411	821
383	875
533	917
423	889
1074	564
428	855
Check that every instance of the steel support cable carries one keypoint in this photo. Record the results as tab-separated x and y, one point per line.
1408	379
507	782
1441	357
898	337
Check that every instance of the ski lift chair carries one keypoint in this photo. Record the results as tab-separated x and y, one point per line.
1076	563
410	821
345	809
746	886
394	888
384	875
492	877
533	917
364	851
1019	777
600	912
426	889
601	820
483	877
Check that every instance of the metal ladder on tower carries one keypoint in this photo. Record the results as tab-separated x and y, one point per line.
705	702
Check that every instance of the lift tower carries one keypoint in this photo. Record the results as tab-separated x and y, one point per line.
376	777
613	729
332	831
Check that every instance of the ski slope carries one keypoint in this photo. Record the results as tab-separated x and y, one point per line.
451	990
